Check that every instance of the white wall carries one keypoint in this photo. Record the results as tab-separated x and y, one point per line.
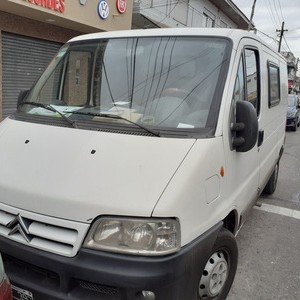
181	13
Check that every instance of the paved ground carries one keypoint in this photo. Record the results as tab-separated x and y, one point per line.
269	242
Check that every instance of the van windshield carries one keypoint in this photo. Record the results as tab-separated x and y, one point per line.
161	83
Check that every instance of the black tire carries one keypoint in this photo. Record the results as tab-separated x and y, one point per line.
220	269
295	127
272	183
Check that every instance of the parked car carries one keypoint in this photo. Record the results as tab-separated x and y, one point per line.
293	112
5	287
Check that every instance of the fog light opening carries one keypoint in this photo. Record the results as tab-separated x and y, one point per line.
148	295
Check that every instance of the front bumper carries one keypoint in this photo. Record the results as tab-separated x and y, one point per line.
107	276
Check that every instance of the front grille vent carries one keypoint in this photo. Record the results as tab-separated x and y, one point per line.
53	235
102	289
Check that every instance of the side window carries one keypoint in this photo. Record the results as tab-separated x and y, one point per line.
239	87
247	79
209	20
252	78
274	84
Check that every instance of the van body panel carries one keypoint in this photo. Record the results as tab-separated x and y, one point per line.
153	160
56	169
123	276
242	168
272	121
187	194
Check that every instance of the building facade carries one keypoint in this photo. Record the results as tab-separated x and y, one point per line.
32	31
187	13
292	66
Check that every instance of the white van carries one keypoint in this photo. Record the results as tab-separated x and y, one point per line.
131	165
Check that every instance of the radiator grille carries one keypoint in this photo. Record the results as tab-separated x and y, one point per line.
102	289
58	236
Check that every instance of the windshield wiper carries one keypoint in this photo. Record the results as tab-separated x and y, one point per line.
112	116
51	108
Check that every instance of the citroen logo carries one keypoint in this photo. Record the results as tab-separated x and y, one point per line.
19	225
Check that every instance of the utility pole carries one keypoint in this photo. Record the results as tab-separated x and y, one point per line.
282	30
252	14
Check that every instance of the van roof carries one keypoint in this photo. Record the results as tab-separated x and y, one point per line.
232	33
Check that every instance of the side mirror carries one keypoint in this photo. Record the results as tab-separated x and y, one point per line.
245	128
22	95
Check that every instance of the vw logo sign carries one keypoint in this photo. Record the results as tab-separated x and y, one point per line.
103	9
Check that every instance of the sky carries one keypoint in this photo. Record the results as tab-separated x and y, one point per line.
268	17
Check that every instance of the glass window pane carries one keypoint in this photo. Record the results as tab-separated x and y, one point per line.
239	88
274	85
158	82
252	82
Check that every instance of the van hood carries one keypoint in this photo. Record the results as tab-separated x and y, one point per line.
79	174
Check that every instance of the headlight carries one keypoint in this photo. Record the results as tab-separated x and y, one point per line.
134	236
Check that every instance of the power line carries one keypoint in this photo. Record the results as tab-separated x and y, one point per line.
295	29
280	10
268	5
278	18
287	44
274	9
274	39
168	14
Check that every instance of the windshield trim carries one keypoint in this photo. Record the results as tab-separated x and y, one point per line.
49	107
103	126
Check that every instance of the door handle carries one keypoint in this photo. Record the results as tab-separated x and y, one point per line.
260	137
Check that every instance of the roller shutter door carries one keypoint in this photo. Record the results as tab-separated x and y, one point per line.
23	61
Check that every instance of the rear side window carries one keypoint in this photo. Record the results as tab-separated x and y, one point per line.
274	84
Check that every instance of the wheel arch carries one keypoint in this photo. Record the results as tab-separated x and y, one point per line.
280	152
230	222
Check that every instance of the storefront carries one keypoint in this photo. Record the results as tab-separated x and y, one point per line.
31	32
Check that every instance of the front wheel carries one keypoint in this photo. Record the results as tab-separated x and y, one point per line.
220	269
272	183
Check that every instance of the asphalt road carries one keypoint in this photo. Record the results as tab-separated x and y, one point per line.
269	242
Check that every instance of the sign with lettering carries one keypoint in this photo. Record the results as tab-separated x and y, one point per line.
56	5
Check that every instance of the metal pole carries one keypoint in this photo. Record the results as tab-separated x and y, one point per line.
281	35
252	14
